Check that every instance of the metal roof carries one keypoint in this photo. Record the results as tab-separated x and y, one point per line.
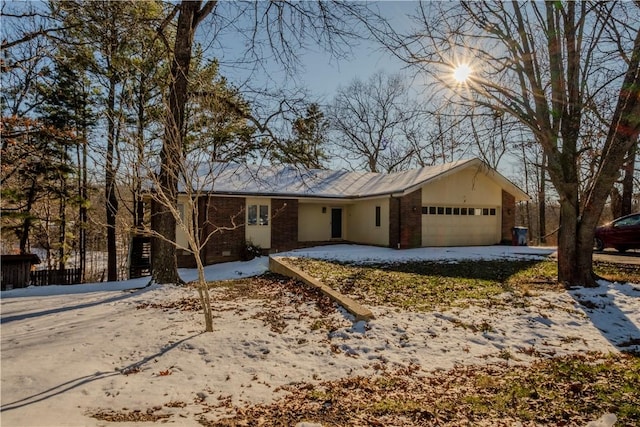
289	181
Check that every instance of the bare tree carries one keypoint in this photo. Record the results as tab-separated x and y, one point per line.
190	14
190	208
280	28
372	122
547	65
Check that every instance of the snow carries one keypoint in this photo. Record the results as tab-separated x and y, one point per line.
368	254
69	351
233	178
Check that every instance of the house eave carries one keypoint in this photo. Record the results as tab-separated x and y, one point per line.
493	174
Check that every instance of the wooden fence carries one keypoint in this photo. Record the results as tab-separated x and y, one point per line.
67	276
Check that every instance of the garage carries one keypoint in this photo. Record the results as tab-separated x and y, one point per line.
460	225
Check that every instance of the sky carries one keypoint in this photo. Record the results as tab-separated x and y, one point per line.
71	351
319	71
324	75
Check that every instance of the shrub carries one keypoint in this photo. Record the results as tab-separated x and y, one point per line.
249	251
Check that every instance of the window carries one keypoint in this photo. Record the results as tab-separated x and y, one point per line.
264	215
252	215
451	210
377	216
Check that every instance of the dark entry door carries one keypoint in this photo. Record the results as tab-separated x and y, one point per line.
336	223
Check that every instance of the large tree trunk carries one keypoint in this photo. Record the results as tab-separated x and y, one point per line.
165	269
575	243
567	234
622	136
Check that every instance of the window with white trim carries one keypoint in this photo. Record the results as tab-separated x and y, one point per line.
257	215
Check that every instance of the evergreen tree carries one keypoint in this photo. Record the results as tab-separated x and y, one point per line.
216	116
306	147
65	106
101	37
34	165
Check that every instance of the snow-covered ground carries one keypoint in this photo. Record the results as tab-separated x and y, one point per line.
71	351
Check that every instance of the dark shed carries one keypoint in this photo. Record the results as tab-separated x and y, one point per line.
16	270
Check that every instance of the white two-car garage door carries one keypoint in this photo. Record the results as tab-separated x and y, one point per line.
460	226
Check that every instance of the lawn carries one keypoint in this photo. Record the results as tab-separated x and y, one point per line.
485	342
428	285
567	391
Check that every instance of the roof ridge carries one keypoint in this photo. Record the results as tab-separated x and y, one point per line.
246	179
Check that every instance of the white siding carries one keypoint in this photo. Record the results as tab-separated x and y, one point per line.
185	213
314	224
258	234
463	190
362	225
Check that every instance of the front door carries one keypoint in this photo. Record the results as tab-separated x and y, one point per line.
336	223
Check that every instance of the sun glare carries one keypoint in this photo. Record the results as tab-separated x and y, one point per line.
461	73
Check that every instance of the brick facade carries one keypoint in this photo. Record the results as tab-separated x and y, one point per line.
405	221
218	213
284	224
394	222
508	216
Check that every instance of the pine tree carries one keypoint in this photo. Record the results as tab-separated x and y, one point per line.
306	147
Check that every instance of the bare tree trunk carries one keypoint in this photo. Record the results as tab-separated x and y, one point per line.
526	184
26	225
203	293
62	229
138	204
542	201
623	135
616	202
81	158
111	200
567	235
627	181
165	269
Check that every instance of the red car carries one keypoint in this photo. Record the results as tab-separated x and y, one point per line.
622	234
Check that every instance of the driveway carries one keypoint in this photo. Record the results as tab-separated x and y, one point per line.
611	255
631	257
